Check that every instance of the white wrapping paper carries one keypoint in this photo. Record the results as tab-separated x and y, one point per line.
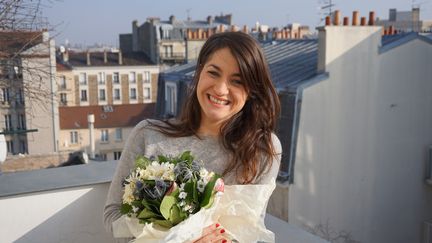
240	210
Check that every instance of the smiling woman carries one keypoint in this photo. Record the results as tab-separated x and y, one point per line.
227	122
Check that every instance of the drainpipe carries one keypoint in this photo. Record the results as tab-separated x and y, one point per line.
91	120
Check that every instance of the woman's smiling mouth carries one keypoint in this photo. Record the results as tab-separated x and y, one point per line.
217	101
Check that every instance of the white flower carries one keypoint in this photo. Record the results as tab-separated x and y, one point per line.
201	185
203	173
182	203
182	186
128	194
153	171
182	195
187	207
135	209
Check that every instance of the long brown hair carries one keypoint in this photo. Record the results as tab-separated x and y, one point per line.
247	135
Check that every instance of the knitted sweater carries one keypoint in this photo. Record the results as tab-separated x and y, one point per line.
146	141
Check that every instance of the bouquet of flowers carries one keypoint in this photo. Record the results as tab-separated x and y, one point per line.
171	199
165	190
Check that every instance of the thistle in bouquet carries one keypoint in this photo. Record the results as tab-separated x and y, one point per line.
165	190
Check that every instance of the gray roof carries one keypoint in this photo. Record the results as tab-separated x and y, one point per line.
389	42
191	24
290	62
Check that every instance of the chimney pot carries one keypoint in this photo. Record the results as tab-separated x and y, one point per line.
363	21
336	19
120	58
345	21
88	58
327	21
245	29
65	55
371	18
355	18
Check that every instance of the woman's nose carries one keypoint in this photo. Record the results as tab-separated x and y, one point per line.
221	87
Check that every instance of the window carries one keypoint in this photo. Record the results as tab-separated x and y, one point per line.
83	95
171	98
146	77
117	155
132	77
116	79
118	134
62	82
20	99
63	99
147	93
104	135
133	94
5	96
10	147
23	147
168	51
8	122
116	94
101	78
74	137
83	78
102	94
21	122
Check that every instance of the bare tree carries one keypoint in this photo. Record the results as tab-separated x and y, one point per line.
327	232
27	68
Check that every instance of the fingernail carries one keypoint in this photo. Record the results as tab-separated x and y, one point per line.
217	225
224	241
222	231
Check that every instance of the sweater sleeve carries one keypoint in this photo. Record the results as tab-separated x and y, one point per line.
134	146
271	175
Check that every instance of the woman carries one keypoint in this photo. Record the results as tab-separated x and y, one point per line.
227	122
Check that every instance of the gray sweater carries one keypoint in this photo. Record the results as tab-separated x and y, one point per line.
146	141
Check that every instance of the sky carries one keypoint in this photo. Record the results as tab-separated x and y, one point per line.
88	22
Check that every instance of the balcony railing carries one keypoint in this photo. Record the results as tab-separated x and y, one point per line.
172	56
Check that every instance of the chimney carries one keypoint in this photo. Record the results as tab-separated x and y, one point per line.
355	18
209	20
233	28
392	14
91	120
245	29
105	57
336	17
65	55
371	18
221	28
327	21
363	21
172	19
88	58
120	58
200	34
390	31
345	21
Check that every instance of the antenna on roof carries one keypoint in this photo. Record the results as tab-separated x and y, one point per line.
325	5
188	14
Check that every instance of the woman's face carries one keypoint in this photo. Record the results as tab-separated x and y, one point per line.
221	92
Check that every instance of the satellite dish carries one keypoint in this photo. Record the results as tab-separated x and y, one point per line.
3	148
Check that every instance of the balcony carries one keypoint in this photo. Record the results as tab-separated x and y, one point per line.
174	56
66	205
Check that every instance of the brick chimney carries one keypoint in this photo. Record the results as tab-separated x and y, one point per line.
336	17
371	18
245	29
355	18
88	58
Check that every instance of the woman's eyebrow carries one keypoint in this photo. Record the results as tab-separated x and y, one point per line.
220	69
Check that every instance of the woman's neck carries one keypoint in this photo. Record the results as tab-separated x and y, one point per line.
208	128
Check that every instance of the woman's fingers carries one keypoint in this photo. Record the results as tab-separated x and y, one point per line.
213	233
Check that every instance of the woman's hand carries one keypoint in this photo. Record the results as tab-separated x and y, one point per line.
213	233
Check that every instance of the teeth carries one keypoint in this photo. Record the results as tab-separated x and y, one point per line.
217	101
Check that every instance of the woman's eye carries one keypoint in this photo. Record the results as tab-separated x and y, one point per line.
213	73
237	82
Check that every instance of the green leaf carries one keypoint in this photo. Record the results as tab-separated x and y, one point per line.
163	223
146	214
142	162
152	205
175	216
208	195
162	158
165	207
125	208
186	156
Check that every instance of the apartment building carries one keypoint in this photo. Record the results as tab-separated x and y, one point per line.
406	21
119	89
164	40
27	104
